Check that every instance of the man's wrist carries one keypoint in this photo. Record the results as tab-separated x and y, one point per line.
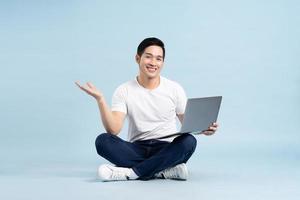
100	100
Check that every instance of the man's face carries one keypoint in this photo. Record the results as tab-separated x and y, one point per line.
151	61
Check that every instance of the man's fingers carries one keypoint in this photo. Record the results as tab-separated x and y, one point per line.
208	132
212	128
85	89
215	124
90	85
78	84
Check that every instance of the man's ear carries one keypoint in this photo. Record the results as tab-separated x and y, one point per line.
137	58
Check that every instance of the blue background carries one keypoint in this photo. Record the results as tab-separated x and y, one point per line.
246	51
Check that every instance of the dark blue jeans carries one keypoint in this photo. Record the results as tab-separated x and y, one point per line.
146	157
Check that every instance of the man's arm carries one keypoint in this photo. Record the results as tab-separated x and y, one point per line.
180	117
112	120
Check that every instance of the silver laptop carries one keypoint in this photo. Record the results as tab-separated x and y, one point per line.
199	114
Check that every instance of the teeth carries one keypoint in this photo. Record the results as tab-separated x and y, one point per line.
152	68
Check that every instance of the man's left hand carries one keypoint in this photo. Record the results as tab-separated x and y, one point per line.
211	130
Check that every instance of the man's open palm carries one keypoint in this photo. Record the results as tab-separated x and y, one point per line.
90	89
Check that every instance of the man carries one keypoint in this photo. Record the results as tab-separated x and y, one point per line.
151	103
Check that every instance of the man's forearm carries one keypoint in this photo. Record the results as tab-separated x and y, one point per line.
107	117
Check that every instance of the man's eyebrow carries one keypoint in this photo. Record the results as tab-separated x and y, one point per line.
153	55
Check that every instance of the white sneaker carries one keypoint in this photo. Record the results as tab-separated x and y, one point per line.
178	172
108	172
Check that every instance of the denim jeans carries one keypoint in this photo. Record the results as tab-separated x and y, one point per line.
146	157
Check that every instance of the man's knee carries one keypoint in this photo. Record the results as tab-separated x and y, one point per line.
101	141
189	142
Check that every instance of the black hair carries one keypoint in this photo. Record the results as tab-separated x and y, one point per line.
150	42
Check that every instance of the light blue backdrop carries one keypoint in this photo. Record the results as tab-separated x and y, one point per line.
246	51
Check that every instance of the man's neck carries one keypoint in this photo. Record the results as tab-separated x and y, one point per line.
149	83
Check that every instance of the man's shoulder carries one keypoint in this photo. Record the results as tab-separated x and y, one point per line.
126	85
171	83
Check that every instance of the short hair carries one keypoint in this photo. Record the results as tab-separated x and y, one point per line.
152	41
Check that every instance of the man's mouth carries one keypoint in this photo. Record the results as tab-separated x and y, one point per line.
151	69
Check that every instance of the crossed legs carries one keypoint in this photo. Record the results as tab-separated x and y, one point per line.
147	157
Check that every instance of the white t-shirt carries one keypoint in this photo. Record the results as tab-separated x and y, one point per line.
151	113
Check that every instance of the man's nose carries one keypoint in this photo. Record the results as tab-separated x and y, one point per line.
152	62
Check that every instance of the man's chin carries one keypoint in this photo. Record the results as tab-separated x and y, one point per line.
152	76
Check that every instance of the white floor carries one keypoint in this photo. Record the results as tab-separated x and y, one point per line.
248	171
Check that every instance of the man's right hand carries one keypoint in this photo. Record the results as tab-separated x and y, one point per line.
90	89
112	120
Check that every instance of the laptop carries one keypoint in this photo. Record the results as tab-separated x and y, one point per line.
199	114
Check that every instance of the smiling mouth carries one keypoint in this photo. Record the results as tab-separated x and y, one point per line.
151	69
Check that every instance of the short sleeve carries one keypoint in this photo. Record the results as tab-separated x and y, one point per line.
181	100
119	100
